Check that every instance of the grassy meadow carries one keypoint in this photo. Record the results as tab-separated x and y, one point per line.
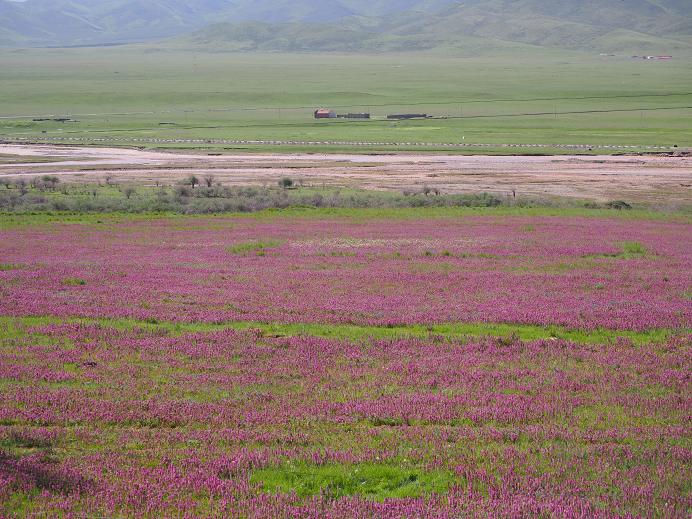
275	352
344	362
150	93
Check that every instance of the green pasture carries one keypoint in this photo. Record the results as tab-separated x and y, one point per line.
43	218
160	93
379	482
448	331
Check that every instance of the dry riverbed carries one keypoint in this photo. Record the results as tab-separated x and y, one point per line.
656	179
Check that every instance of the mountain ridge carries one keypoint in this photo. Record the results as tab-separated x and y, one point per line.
352	25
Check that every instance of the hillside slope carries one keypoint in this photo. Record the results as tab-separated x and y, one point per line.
599	25
636	26
83	22
639	26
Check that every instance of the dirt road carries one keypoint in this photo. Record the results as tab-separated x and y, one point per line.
632	178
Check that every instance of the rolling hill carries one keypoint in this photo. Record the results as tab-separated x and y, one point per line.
638	26
93	22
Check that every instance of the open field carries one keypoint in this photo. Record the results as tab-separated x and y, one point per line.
213	305
351	363
664	181
156	96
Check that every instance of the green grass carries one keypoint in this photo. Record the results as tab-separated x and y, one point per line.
20	443
75	198
9	326
459	212
453	330
633	248
18	159
629	250
17	220
209	95
257	247
373	481
19	504
73	282
405	474
10	266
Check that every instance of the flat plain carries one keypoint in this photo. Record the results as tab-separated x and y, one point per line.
353	363
159	96
214	308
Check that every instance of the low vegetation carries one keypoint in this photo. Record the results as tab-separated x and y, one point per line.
9	266
224	102
73	282
257	247
344	363
18	197
378	482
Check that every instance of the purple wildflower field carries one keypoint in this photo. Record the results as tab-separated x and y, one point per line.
347	366
564	271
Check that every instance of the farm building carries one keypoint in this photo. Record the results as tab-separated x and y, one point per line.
323	113
354	116
408	116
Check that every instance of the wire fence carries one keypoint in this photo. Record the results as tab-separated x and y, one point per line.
399	104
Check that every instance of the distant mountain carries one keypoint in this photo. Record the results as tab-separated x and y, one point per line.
598	25
75	22
353	25
84	22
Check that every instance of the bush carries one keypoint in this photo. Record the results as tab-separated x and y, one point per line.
619	205
182	192
221	199
286	182
192	181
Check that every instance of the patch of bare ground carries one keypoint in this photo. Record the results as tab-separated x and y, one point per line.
637	178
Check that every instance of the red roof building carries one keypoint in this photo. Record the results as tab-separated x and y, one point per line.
323	113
